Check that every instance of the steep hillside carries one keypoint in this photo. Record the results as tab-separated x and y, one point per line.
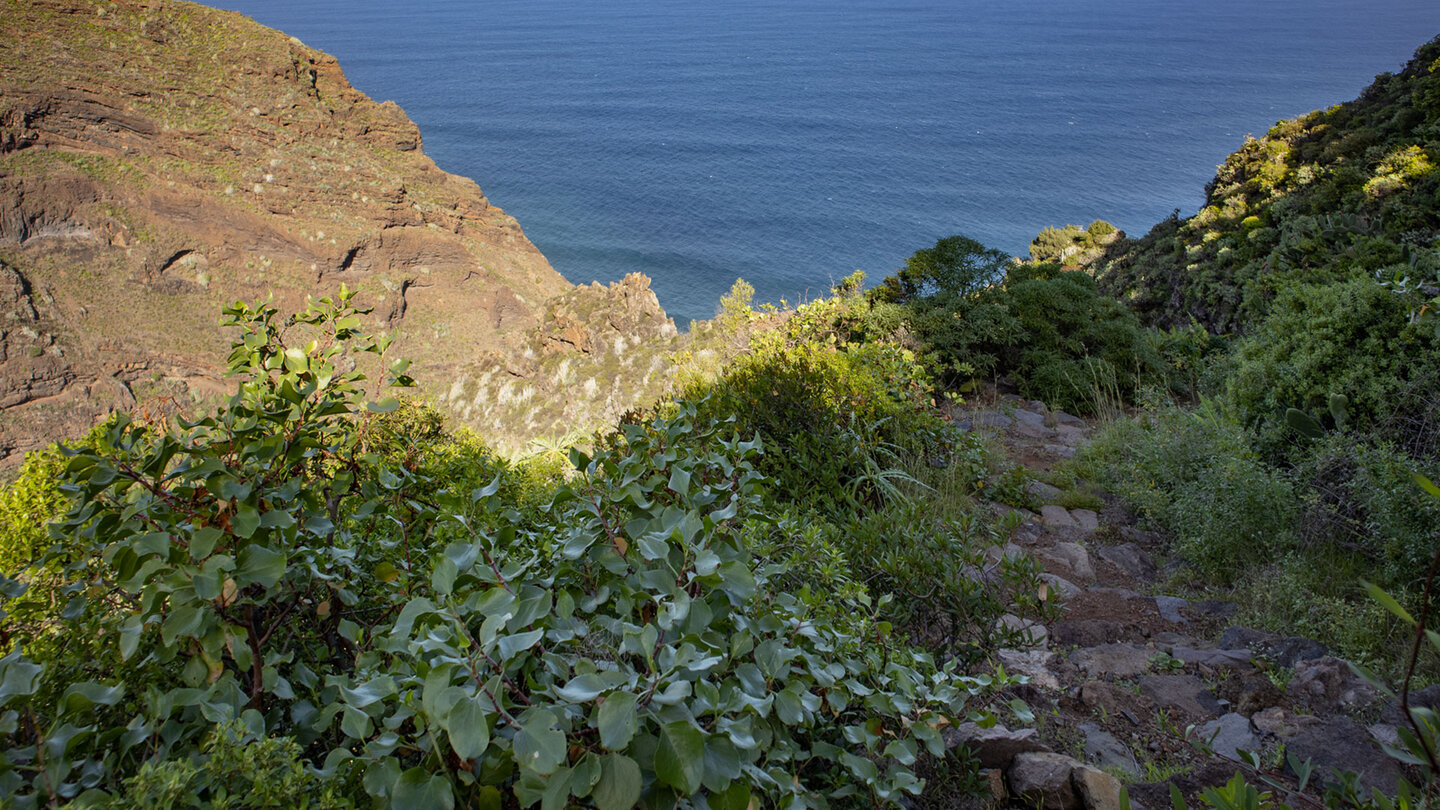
1339	194
158	160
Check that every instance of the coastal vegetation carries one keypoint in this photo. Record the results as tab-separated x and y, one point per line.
788	580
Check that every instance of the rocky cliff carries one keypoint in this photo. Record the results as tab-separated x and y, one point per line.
158	159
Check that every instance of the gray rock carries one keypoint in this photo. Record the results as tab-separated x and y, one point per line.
1218	659
1119	660
1384	733
1135	535
1343	744
1287	651
1277	722
1043	780
1103	749
991	419
1091	632
1129	558
1063	418
1025	425
1427	698
1096	789
1059	585
1328	685
1073	558
1035	664
1057	517
1185	693
1072	436
1169	607
1229	735
1088	520
1010	551
1043	491
994	747
1030	633
1059	450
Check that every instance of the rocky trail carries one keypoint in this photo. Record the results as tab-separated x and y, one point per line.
1128	679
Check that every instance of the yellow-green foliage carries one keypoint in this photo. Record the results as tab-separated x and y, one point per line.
831	415
27	506
1398	170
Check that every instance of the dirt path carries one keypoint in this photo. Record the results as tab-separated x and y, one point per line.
1128	678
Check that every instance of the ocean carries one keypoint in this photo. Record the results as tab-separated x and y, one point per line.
792	142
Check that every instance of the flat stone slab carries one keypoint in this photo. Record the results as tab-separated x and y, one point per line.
1030	633
1340	742
1131	559
1229	735
1044	492
1088	520
1057	517
1061	586
1169	607
991	419
1073	557
1104	749
996	746
1185	693
1216	659
1035	664
1118	660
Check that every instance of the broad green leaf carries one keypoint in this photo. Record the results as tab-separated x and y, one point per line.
617	720
735	797
202	542
582	688
418	789
152	543
260	565
788	708
86	694
385	405
680	481
413	610
442	579
372	691
468	727
519	642
246	521
557	790
18	677
619	785
680	757
539	746
184	621
131	628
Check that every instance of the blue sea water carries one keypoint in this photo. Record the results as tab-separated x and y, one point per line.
790	142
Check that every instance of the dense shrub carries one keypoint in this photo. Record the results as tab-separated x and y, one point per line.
290	569
1354	339
836	420
1193	476
1050	330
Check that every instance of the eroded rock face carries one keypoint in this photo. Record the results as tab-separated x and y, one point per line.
161	159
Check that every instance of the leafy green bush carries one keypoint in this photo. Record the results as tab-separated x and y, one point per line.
948	578
1050	330
1193	476
285	569
1354	338
232	770
836	420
